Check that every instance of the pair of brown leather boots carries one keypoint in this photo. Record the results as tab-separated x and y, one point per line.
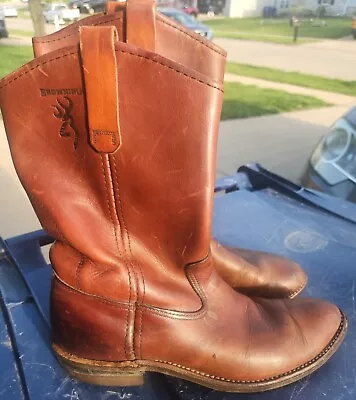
113	129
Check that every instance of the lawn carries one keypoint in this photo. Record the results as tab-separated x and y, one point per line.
293	78
13	57
257	27
244	101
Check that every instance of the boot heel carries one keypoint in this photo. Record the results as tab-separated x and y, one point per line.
102	373
107	379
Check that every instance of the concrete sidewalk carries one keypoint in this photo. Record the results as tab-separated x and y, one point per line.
328	97
281	143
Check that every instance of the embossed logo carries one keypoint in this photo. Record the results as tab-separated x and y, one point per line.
63	111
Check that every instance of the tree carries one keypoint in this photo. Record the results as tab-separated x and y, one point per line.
35	7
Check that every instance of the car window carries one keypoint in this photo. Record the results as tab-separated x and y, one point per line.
182	18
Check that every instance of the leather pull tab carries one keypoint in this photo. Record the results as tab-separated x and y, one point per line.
97	46
141	24
114	6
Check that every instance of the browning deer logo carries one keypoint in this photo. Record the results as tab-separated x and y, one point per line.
63	111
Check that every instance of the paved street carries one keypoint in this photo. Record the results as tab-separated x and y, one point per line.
330	58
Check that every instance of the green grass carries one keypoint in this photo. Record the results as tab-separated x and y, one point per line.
13	57
293	78
243	28
244	101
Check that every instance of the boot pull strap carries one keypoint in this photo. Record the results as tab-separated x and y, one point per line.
114	6
140	22
97	47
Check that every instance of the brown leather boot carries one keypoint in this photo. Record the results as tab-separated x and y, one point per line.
102	149
250	272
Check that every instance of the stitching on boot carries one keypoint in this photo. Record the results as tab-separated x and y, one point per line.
128	234
121	51
187	315
114	303
120	19
192	37
141	329
299	289
122	214
326	349
78	269
117	245
129	264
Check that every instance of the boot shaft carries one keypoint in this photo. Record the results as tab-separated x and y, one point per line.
146	206
138	23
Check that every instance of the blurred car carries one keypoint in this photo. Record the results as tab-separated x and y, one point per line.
353	27
3	31
192	11
332	165
61	11
9	11
88	6
187	21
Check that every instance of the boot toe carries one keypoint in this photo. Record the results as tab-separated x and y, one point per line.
319	325
277	277
290	339
289	278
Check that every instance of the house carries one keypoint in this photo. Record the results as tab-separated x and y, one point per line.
254	8
334	7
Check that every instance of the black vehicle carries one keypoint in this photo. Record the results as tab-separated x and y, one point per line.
3	31
332	165
88	6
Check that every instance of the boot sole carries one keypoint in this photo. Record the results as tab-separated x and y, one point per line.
131	373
